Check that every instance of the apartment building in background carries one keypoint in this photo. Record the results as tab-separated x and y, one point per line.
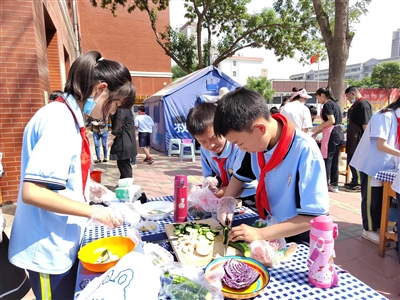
353	71
240	67
395	44
40	40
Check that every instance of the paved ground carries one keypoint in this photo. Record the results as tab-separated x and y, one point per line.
353	253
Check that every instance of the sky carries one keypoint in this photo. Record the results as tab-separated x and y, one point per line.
373	37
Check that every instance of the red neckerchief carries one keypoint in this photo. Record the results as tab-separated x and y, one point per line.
277	157
85	152
221	165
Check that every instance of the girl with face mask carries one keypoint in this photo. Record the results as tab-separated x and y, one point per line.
53	206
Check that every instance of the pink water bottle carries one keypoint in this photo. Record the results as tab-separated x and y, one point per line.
321	268
180	198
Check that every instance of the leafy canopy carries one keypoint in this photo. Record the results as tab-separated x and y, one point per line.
386	75
224	27
261	85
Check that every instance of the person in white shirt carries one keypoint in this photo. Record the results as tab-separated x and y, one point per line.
378	150
297	112
144	125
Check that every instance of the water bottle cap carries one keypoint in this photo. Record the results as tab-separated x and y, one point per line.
180	177
322	223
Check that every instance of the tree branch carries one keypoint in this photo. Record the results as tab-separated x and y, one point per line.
323	21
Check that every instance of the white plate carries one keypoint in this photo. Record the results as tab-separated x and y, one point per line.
156	210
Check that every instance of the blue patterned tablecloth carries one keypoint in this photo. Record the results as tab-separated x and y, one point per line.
242	215
288	281
386	175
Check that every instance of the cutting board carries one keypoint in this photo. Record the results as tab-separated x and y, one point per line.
193	259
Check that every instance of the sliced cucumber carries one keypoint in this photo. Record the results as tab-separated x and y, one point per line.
209	236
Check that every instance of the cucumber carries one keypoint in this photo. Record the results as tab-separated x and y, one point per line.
187	289
241	246
226	234
214	232
209	236
219	227
177	231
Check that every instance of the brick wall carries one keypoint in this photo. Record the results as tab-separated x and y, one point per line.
24	77
129	39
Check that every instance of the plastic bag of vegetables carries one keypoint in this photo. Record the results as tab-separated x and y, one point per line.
270	253
202	202
187	283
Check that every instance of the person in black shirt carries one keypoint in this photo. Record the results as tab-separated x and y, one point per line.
358	117
332	136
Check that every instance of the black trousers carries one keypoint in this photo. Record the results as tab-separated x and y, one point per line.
332	164
371	204
354	172
125	168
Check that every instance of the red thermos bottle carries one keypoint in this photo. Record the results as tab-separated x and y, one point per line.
180	198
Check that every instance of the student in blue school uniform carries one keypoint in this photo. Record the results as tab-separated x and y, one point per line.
53	206
376	151
218	155
287	163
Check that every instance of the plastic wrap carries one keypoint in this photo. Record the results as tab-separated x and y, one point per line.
202	202
270	253
159	256
187	283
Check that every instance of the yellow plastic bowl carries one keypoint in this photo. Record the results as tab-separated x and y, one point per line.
119	245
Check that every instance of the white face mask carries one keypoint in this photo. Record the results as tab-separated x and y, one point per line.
90	104
354	100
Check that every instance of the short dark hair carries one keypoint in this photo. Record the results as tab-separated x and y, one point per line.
141	108
352	89
313	110
274	110
55	94
200	118
238	110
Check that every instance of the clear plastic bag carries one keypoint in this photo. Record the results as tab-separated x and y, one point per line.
202	202
187	283
270	253
159	256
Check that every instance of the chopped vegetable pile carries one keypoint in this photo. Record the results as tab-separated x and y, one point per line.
197	236
106	256
238	275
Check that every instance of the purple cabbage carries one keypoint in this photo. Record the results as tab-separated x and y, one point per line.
238	275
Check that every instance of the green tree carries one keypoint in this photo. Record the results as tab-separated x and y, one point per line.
177	72
230	28
387	76
335	19
366	82
261	85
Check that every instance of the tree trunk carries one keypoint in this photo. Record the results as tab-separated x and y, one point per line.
337	43
339	49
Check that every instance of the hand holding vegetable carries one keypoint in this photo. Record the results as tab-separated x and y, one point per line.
245	233
106	216
226	208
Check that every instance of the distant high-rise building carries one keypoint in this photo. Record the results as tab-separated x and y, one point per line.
396	43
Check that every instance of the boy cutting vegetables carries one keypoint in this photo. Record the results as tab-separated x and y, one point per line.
287	163
218	156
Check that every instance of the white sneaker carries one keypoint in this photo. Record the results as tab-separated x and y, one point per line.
372	236
333	189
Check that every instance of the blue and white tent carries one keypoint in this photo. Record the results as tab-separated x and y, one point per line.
170	106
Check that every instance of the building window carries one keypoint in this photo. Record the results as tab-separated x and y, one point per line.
234	74
234	63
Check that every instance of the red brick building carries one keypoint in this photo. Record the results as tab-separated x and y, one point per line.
37	46
129	39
